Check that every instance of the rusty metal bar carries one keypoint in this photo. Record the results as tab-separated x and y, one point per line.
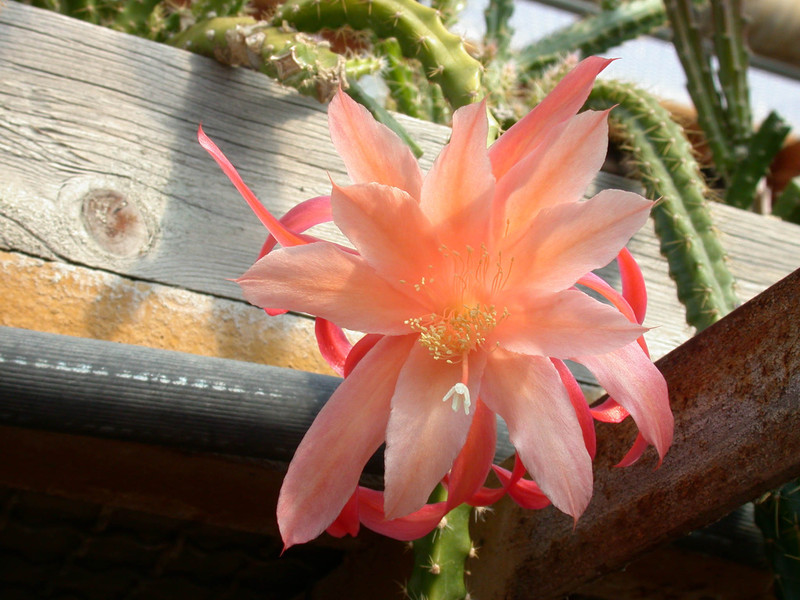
735	392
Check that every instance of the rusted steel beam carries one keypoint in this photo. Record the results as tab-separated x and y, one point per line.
735	392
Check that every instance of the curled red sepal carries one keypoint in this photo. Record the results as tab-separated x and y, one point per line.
347	522
633	287
472	464
284	236
523	491
300	218
635	453
359	351
609	411
333	344
410	527
599	285
580	405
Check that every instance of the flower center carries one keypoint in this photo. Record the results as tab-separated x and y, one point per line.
452	335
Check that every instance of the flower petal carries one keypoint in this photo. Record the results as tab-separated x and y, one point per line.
563	102
284	236
565	324
473	463
332	343
527	392
411	527
557	171
370	150
323	280
425	434
637	385
301	217
347	431
457	192
566	241
388	228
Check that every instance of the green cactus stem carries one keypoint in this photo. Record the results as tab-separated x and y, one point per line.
440	556
449	10
399	78
294	59
787	206
669	172
418	29
777	515
594	34
498	30
702	86
728	23
761	150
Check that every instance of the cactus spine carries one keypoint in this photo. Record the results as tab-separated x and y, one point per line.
594	34
440	556
292	58
665	163
418	29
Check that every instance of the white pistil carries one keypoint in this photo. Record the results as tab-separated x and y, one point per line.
459	393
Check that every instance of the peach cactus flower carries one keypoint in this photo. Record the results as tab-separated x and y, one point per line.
465	277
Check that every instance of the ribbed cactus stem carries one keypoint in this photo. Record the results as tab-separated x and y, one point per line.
669	172
449	10
440	556
777	515
761	149
498	29
294	59
356	67
418	29
594	34
696	62
787	206
400	79
733	60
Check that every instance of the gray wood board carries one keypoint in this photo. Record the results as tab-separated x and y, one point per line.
84	108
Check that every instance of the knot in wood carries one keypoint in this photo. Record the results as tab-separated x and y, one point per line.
115	223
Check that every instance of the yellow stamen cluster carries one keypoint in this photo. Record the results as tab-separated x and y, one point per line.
455	333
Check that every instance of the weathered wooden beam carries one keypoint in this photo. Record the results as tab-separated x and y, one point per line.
115	136
735	392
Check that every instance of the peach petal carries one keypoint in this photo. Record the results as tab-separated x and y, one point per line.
425	434
558	171
323	280
527	392
370	150
638	386
564	324
565	242
563	102
457	192
388	228
345	434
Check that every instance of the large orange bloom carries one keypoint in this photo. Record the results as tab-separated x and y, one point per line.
467	275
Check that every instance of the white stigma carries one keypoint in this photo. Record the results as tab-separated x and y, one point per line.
459	393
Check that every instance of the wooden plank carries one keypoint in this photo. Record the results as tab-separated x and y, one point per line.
69	299
735	392
87	109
